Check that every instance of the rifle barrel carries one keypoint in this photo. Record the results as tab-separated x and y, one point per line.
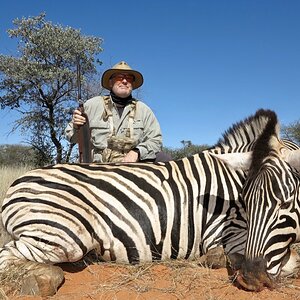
84	134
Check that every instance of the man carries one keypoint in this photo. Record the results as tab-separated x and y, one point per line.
123	129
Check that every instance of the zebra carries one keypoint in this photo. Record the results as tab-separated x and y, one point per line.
130	213
271	194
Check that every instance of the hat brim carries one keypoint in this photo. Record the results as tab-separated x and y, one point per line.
138	77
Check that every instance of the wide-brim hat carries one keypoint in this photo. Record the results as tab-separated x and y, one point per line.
122	67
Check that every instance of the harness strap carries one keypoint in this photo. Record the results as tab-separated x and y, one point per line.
108	105
129	131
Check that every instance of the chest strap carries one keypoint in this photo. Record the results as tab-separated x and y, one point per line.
108	107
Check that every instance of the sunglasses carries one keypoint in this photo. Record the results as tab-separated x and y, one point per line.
120	77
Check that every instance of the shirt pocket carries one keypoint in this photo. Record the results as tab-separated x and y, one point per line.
138	130
100	131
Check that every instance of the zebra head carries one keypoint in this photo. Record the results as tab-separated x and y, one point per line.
271	194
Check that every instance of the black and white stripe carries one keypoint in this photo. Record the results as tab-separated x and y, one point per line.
272	197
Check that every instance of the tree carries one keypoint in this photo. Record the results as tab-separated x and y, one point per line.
188	149
17	155
292	132
41	83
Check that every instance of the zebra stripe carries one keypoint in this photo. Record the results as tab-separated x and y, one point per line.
273	204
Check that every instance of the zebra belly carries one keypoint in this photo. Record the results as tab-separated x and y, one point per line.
53	237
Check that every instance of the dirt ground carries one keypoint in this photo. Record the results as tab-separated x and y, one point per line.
170	280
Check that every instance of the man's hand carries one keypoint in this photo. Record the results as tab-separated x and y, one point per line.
78	119
131	156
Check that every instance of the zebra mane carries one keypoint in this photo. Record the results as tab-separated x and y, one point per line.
242	136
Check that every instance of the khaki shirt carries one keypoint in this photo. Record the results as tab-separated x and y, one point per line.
146	129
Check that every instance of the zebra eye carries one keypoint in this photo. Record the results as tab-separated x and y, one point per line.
285	205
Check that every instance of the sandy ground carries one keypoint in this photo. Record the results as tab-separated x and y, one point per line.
171	280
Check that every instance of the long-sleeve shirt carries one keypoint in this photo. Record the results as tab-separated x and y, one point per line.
146	129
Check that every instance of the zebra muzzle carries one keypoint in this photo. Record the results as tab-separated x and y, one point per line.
252	275
254	281
248	274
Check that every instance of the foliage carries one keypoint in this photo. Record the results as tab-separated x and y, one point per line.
188	149
41	83
292	132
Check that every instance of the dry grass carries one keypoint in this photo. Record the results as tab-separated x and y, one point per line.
10	281
173	280
176	279
8	175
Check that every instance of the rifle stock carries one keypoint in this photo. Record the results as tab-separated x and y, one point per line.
84	140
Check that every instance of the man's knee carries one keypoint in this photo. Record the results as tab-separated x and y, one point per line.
163	157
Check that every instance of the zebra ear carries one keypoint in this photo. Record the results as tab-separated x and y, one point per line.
241	161
293	158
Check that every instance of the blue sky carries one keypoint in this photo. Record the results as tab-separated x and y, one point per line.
206	64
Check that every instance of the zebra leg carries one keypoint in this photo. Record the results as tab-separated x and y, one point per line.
214	258
292	265
34	278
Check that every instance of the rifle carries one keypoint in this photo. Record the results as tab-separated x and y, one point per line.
84	133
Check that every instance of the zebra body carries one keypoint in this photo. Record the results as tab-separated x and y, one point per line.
130	213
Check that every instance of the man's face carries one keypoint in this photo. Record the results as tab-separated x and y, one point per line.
121	84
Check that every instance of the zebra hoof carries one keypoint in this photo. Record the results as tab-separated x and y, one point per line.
214	258
43	281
